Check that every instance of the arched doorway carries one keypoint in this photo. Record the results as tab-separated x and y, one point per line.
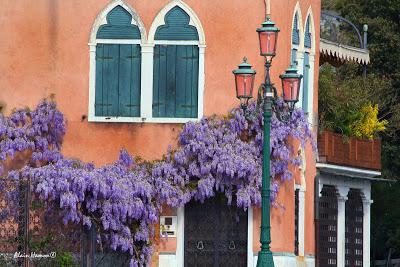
327	229
354	229
215	234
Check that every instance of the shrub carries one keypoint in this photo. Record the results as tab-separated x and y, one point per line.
348	103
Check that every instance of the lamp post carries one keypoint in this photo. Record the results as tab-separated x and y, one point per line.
244	78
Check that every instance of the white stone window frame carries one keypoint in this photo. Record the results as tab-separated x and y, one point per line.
302	186
311	51
147	53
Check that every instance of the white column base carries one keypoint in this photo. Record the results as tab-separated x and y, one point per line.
289	260
367	233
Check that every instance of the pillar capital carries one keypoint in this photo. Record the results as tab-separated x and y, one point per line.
342	192
367	201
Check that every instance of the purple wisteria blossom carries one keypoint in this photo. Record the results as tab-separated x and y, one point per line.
225	155
123	200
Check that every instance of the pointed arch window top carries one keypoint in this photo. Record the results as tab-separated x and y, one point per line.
307	34
177	27
118	26
295	31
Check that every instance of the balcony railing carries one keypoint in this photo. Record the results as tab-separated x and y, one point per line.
341	40
335	149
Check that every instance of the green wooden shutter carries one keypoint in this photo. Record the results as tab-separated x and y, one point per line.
176	27
187	73
107	61
159	80
117	80
175	89
294	57
129	81
306	73
295	31
307	34
118	26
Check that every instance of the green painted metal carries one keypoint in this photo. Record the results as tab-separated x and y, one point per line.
177	27
307	34
119	26
306	72
268	26
175	81
295	31
291	72
118	80
265	258
244	68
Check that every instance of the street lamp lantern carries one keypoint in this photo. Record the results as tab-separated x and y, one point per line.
291	81
268	36
244	79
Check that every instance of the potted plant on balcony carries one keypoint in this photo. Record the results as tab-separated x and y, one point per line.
349	122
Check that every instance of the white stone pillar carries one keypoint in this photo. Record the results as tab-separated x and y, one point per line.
311	91
201	82
301	220
341	226
366	232
146	100
92	80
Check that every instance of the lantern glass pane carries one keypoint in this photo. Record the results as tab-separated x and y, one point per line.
291	88
268	41
244	85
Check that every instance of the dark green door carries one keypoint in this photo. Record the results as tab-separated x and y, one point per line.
215	234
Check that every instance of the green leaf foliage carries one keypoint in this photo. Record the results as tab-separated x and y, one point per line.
383	20
345	97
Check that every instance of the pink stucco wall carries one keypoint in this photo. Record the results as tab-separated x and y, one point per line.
44	50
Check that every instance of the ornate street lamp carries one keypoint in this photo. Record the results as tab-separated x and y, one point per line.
268	37
291	81
244	77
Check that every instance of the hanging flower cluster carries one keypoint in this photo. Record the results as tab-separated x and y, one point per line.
225	155
124	199
39	133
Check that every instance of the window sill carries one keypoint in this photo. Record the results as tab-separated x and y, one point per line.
141	120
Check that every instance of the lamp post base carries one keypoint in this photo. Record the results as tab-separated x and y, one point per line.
265	259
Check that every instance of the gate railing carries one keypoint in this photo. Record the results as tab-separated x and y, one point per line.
34	236
341	40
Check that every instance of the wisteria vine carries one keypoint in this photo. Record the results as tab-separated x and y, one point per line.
124	199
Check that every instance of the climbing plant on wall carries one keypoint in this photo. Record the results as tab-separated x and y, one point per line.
124	199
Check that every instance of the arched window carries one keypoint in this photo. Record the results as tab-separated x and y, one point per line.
307	34
306	67
158	79
295	39
176	67
115	65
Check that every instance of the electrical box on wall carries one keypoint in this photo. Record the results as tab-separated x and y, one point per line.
168	225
